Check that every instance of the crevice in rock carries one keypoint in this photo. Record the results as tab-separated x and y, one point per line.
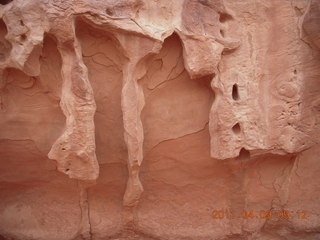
281	183
244	155
235	92
171	139
85	230
237	195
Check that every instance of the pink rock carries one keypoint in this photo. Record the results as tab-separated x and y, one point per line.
136	119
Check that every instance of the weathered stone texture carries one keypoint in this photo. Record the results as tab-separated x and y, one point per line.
138	119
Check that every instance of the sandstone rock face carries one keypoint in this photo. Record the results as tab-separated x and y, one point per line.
159	119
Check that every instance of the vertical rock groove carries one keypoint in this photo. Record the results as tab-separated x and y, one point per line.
85	225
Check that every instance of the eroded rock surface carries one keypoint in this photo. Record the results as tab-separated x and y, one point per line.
159	119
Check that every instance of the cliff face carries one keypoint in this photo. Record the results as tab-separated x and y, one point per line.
159	119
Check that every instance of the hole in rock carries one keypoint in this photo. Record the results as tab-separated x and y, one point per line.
235	92
243	155
295	71
224	17
4	2
236	128
23	37
109	11
21	23
63	149
67	170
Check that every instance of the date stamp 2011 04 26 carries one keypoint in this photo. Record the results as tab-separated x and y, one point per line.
262	214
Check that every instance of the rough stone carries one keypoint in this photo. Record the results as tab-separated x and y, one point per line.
159	119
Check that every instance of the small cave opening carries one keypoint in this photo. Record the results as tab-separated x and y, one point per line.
4	2
235	92
244	155
224	17
236	128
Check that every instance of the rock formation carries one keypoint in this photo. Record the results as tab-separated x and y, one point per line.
159	119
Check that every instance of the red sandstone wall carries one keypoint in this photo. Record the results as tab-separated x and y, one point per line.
187	119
